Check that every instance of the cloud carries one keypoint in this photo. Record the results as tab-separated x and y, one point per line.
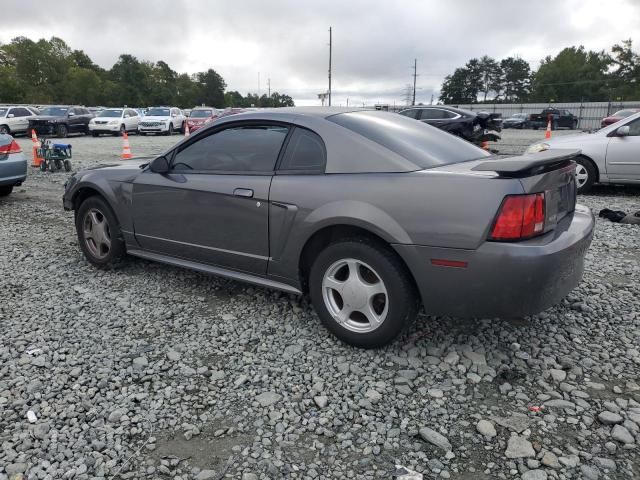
375	41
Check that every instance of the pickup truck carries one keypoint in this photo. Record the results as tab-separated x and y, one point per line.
559	118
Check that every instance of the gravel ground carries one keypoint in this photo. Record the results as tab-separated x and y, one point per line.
149	371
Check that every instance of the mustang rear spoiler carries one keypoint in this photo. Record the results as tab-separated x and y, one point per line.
516	166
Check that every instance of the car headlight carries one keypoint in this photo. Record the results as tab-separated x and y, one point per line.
538	147
113	122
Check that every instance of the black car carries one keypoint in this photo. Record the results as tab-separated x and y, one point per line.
61	121
472	126
517	120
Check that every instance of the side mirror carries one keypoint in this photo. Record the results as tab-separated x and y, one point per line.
11	115
159	165
623	131
71	114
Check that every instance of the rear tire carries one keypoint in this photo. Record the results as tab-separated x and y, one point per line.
6	190
4	130
586	174
95	134
359	268
67	166
99	233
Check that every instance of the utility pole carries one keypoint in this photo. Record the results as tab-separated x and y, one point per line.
330	51
415	74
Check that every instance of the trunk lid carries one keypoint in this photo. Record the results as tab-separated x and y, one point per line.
551	172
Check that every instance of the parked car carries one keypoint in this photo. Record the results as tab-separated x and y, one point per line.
114	121
14	120
476	127
619	115
200	117
558	118
13	165
61	121
164	120
368	211
517	120
96	110
608	155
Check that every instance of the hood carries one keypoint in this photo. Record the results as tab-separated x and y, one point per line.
47	117
577	139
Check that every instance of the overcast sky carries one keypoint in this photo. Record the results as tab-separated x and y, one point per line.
374	42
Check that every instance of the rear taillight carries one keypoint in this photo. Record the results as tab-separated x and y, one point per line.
13	147
519	217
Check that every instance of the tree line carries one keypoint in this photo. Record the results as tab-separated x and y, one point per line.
573	75
50	72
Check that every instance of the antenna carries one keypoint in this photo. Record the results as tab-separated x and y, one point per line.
415	74
330	51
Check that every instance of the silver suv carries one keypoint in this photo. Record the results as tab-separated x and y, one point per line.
15	119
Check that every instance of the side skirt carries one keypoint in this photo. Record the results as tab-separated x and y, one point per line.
221	272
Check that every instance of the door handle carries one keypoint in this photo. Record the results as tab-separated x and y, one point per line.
243	192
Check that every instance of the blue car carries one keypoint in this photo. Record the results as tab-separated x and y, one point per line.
13	165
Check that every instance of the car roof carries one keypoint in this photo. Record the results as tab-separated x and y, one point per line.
440	107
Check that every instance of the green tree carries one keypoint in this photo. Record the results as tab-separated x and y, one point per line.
491	74
626	71
573	75
213	86
132	79
82	86
516	79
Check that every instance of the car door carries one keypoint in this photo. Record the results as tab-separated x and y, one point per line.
74	120
213	205
623	153
17	120
133	120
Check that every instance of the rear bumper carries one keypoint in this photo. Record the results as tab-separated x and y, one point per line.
13	171
504	279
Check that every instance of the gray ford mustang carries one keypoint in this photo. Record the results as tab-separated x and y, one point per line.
370	213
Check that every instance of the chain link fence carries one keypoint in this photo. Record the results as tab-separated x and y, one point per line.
589	114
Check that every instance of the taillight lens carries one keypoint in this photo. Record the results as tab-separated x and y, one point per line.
519	217
13	147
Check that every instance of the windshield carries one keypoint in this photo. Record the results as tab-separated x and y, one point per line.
54	111
201	113
157	112
421	144
3	112
624	113
110	113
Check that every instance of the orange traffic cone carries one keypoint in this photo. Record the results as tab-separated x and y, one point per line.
126	149
186	129
37	160
547	134
484	145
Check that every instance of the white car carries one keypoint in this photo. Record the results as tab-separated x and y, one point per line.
15	119
609	155
164	120
115	121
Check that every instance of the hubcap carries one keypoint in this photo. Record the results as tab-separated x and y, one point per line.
581	175
97	236
355	295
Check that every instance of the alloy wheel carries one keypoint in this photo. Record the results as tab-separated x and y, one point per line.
582	175
97	235
355	295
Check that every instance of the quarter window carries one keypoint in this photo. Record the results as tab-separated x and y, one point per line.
431	114
413	113
305	152
250	148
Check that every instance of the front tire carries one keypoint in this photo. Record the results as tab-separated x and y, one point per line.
62	131
6	190
362	292
4	130
170	130
99	233
586	174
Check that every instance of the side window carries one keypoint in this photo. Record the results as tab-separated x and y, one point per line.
305	153
250	148
413	113
23	112
430	114
13	111
448	114
133	113
634	128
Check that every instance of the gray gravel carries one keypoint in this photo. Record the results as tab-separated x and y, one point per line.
153	372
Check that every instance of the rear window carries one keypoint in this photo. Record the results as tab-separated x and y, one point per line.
422	144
